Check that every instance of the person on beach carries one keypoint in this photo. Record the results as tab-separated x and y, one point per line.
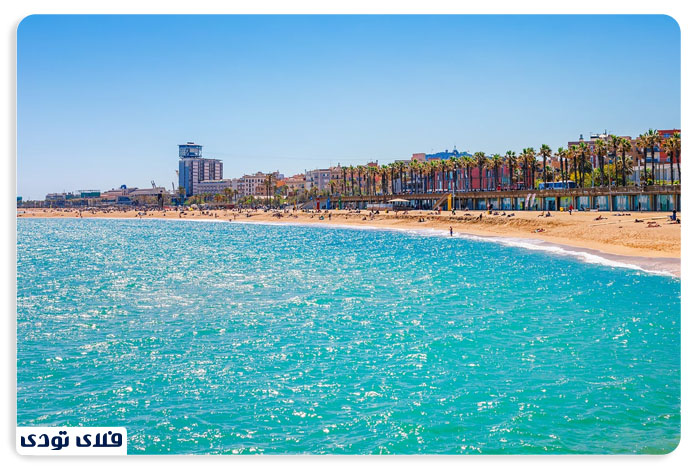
451	233
570	209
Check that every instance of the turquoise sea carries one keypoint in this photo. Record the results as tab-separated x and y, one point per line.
214	337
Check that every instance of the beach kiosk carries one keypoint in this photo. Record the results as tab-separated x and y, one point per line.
400	204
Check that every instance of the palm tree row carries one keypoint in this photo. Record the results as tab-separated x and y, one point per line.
612	166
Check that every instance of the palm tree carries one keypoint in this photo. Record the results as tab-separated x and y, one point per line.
523	161
672	147
390	171
382	173
667	148
450	166
496	163
623	165
400	168
412	171
676	147
375	172
430	167
434	169
480	159
642	143
613	144
624	146
361	171
574	153
227	193
511	161
654	139
530	162
601	152
583	149
561	154
544	152
467	163
344	169
352	180
422	168
443	174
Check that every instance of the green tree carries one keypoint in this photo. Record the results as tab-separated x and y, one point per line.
601	152
544	152
496	164
481	160
511	161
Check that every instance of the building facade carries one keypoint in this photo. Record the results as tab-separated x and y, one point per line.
592	154
215	187
194	169
295	184
322	179
319	178
255	184
638	159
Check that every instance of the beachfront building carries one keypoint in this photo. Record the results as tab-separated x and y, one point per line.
322	178
318	178
222	186
89	193
459	179
295	184
657	157
147	192
194	169
57	197
256	184
660	160
592	153
249	182
113	194
60	199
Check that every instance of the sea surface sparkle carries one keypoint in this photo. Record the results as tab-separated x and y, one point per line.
215	337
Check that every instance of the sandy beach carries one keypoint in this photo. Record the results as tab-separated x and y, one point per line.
653	242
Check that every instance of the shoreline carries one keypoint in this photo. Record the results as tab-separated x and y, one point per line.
602	249
665	266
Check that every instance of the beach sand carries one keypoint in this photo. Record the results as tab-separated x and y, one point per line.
617	238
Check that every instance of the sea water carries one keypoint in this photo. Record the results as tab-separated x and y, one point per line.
217	337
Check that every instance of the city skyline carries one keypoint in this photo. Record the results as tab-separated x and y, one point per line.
97	108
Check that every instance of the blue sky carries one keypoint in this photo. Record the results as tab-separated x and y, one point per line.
105	100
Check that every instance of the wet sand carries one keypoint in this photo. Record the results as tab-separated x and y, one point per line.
616	238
